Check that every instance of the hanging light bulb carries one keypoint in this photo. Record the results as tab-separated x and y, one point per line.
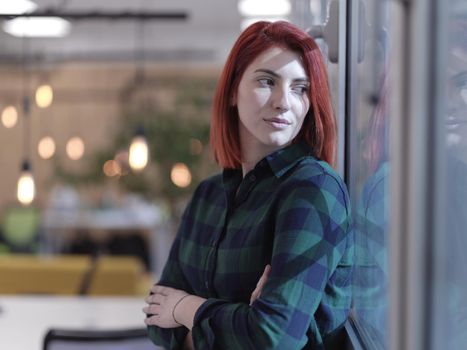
44	96
9	117
139	153
46	147
26	187
75	148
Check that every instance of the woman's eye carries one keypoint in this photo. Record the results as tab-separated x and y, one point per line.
300	89
266	82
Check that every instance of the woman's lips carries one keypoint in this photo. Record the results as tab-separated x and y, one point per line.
278	123
454	121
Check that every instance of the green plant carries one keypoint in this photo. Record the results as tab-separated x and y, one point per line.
174	112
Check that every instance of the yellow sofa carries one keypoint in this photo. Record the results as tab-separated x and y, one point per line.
70	275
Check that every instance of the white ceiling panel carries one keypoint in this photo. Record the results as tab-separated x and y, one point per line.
206	35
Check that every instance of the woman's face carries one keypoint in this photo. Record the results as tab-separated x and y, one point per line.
272	100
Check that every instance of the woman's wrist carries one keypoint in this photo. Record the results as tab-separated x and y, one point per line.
185	310
175	306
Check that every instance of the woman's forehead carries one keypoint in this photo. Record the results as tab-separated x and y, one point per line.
279	59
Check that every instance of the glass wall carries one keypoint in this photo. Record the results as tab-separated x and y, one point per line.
368	166
450	302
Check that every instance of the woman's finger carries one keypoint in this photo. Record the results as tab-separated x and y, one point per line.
152	309
154	299
156	289
253	297
264	277
261	282
151	321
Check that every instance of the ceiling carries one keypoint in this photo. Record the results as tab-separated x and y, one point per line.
206	35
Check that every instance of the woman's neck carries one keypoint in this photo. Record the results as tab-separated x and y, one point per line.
247	167
253	150
253	153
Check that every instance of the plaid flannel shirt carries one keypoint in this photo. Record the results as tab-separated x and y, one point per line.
291	211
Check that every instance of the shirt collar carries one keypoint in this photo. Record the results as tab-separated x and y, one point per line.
279	161
286	158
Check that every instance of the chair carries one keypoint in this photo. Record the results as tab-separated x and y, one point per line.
127	339
20	229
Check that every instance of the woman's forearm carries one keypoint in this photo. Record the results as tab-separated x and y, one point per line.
184	312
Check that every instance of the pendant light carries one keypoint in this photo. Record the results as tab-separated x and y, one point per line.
26	189
139	151
138	155
44	96
9	116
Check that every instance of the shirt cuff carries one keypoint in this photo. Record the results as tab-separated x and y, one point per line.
206	309
203	329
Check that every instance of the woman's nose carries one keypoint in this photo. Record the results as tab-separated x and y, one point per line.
280	99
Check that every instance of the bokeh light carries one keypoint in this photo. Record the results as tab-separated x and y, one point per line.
75	148
46	147
9	117
112	168
196	146
139	153
44	96
180	175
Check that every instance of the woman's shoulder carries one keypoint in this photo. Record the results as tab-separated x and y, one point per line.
313	178
315	184
315	172
211	185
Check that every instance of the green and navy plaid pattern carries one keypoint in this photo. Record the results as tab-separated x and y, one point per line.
291	211
370	277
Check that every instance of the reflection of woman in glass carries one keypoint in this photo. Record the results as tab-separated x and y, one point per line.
456	183
371	239
278	204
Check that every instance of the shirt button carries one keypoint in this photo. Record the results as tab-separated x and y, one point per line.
252	178
206	284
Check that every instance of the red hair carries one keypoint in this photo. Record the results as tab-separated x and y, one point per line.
319	127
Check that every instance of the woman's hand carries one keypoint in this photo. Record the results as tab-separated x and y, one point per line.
161	306
259	286
164	300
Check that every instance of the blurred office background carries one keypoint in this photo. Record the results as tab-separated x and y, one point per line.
104	134
104	128
105	111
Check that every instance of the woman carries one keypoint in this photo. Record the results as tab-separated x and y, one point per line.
278	203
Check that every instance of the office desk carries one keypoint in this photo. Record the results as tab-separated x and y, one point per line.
56	225
25	320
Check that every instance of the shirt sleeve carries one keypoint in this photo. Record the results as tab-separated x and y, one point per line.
311	230
172	276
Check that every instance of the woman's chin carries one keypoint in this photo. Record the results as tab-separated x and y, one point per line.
278	140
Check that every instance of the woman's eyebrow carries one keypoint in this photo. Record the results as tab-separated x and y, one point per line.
274	74
268	71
